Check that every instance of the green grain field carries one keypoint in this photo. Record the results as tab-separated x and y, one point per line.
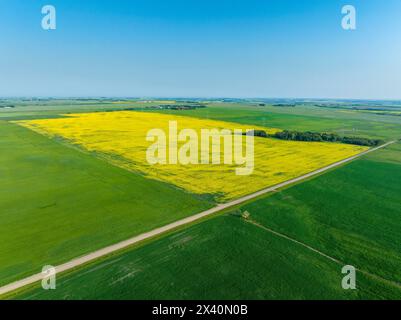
222	258
57	203
351	214
305	118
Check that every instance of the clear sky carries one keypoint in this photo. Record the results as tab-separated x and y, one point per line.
201	48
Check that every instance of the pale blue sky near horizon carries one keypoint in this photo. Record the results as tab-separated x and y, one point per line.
201	48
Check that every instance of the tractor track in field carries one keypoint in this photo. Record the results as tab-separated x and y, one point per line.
169	227
281	235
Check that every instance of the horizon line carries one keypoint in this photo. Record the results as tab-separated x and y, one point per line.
94	97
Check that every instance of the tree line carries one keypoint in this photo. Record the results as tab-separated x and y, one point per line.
317	137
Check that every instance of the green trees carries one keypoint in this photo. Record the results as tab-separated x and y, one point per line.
316	137
258	133
324	137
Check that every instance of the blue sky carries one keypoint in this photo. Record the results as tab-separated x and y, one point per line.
201	48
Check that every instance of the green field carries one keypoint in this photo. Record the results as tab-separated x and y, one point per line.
223	258
57	203
351	214
302	118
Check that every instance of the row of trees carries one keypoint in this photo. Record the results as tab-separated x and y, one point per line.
317	137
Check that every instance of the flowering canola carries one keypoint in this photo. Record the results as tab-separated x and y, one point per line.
120	138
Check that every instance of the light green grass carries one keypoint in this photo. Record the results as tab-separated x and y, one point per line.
57	203
391	154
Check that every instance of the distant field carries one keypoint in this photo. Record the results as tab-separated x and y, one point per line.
57	203
351	214
120	137
303	118
391	154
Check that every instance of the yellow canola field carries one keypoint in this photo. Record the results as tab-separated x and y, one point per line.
120	138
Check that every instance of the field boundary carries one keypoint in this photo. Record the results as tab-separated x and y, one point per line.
158	231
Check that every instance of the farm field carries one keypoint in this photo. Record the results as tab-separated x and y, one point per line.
302	118
223	258
68	202
350	214
57	203
211	151
120	138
